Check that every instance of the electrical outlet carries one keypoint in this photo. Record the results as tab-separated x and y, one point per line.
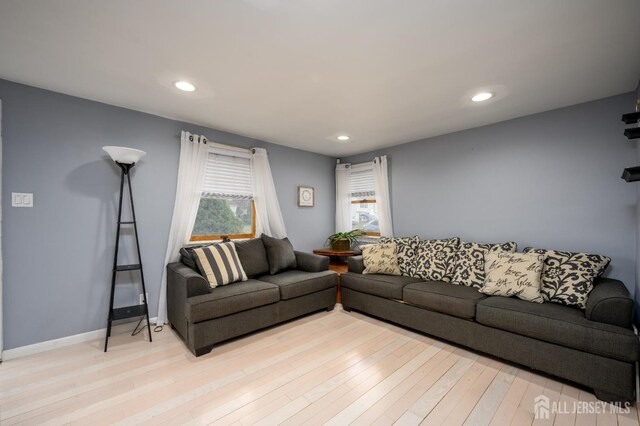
142	299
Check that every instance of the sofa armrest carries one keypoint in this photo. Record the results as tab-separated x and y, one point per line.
356	264
182	283
309	262
182	276
609	303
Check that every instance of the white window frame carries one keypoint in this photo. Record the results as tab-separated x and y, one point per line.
367	197
230	151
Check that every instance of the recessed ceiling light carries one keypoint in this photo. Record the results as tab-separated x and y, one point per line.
482	96
343	138
185	86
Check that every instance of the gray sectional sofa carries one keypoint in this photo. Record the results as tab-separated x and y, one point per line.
596	348
204	316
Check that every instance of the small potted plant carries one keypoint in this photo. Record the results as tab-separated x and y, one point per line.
342	241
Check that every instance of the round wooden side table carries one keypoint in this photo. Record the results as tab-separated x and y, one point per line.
337	262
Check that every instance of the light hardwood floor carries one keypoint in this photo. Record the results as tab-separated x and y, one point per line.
334	368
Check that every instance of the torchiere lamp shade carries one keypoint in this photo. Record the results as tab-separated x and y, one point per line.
124	155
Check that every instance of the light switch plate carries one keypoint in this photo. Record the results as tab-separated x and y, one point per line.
27	200
21	199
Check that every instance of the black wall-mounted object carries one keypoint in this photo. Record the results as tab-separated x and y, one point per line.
632	133
631	118
631	174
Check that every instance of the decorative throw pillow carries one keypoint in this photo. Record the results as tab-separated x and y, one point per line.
188	257
253	257
435	259
219	263
280	254
513	274
469	269
380	259
567	278
406	252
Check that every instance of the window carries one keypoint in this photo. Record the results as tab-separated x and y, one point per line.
226	204
364	210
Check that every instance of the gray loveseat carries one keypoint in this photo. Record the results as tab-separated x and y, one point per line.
204	316
596	348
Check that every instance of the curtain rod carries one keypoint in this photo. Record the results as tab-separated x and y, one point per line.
209	142
360	165
229	147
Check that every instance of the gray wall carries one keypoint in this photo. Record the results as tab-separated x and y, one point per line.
548	180
58	254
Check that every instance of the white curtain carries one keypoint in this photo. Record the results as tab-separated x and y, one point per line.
381	183
268	215
193	159
343	198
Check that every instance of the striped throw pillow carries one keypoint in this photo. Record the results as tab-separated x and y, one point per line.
219	263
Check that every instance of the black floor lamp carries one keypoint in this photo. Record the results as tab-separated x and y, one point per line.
126	158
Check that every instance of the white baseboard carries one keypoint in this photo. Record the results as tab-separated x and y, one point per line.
37	348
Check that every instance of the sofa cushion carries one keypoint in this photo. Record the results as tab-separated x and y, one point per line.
567	277
279	253
380	259
558	324
296	283
253	257
387	286
230	299
469	269
219	264
188	258
406	253
456	300
513	274
435	259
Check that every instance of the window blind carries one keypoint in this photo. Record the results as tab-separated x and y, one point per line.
361	182
228	177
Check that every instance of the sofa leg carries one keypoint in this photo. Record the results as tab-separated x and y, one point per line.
330	308
346	308
609	397
203	351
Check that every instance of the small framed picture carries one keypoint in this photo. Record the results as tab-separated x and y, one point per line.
306	196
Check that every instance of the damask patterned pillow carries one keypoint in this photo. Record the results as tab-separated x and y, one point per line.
380	259
568	277
435	259
406	252
513	274
470	258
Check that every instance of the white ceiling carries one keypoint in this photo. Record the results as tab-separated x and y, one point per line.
300	72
